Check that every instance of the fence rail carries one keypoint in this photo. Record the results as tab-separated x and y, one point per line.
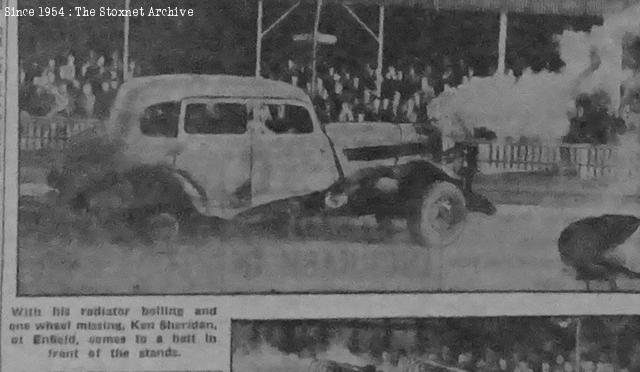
586	161
38	133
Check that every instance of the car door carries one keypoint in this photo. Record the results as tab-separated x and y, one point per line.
216	150
291	156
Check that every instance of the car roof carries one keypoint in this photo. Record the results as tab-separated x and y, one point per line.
138	93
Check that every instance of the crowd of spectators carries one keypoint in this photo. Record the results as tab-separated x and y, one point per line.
351	95
71	89
491	361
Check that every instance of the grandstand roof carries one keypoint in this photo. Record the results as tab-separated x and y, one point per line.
564	7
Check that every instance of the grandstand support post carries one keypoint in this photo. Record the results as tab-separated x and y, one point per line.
578	332
502	43
259	38
314	61
380	51
125	50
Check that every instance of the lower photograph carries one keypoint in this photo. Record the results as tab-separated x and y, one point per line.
513	344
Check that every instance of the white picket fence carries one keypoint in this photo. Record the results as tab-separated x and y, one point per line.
583	160
38	133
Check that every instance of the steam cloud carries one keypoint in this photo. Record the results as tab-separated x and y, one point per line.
537	105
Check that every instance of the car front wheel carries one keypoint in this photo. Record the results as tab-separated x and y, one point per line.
440	217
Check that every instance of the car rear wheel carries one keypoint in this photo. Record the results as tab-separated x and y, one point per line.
441	217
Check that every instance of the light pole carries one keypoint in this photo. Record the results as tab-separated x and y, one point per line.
259	38
125	52
578	332
314	63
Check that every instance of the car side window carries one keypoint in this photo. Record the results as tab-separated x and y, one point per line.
215	118
161	120
285	118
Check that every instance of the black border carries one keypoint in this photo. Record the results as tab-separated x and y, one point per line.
5	100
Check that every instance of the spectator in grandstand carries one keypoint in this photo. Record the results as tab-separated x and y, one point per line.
86	101
523	366
461	71
101	67
370	76
324	106
558	365
104	98
401	84
388	83
63	103
448	79
386	113
346	113
90	68
409	112
40	102
396	112
470	74
320	85
465	360
446	356
428	72
359	110
356	87
338	94
50	68
116	63
374	110
290	71
68	71
132	70
413	79
114	84
50	83
503	365
568	367
427	93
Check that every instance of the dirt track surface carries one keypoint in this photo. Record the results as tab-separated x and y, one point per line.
512	250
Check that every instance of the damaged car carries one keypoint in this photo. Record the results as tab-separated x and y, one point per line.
182	147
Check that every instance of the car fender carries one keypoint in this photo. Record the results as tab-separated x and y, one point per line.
174	188
409	180
193	190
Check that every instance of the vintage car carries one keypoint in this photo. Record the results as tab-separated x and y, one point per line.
250	149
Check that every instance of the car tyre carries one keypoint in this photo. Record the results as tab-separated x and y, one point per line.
440	217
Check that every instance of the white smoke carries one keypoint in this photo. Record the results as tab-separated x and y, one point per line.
537	105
